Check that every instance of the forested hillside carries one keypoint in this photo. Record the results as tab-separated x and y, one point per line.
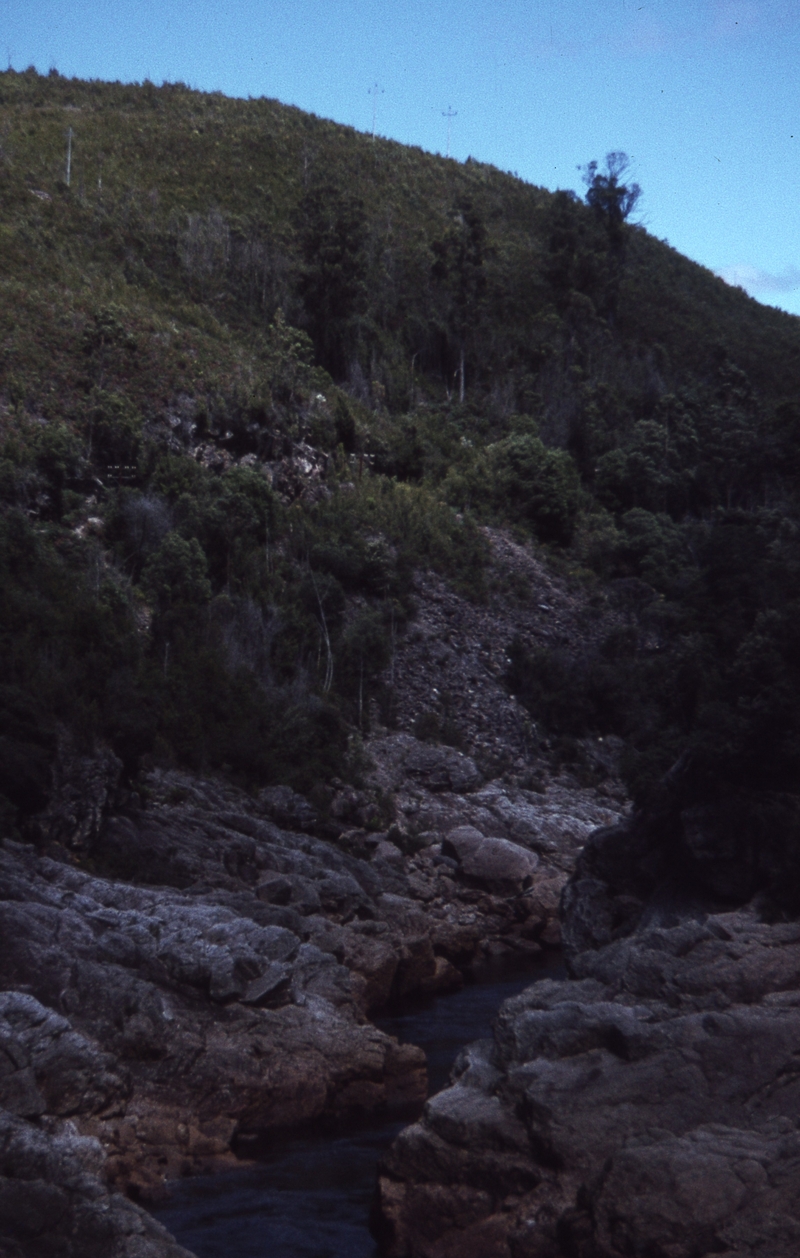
256	369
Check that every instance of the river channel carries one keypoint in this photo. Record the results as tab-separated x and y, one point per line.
308	1196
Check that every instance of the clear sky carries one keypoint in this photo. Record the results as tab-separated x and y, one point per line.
703	94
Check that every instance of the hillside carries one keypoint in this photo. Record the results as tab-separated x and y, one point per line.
258	370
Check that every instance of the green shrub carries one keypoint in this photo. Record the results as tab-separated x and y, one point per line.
113	430
176	576
535	486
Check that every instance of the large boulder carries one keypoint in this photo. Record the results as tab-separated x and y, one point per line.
440	768
495	864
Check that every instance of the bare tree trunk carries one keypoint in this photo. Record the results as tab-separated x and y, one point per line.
329	653
461	374
394	649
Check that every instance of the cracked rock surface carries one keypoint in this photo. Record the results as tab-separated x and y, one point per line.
183	973
649	1106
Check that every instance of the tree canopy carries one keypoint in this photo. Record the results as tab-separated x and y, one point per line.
608	196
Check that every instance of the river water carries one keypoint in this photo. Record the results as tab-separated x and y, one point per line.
309	1196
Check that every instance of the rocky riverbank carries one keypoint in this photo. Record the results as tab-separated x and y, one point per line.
187	968
648	1106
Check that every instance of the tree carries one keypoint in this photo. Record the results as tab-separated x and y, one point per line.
365	653
177	575
612	201
59	458
333	232
537	486
459	267
241	520
610	198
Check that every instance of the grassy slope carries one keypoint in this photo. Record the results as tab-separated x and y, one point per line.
150	285
144	159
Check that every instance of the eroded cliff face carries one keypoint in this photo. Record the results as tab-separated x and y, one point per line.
650	1105
188	968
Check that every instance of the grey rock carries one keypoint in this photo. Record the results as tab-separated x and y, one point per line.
715	1187
268	987
276	889
497	864
442	768
176	1012
47	1067
389	864
286	808
54	1201
658	1094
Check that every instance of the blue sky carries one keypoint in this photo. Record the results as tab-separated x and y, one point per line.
703	94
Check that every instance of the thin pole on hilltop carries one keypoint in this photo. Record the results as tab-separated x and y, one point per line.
375	91
69	153
449	114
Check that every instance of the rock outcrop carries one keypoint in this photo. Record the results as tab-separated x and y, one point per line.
649	1106
54	1199
184	970
54	1195
697	848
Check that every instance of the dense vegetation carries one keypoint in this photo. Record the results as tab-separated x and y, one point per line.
415	346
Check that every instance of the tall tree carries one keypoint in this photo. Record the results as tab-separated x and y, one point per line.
459	267
332	284
610	198
613	201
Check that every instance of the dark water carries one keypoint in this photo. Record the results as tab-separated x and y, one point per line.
309	1196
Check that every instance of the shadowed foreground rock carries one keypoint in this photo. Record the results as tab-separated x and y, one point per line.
54	1200
211	1022
649	1107
178	978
